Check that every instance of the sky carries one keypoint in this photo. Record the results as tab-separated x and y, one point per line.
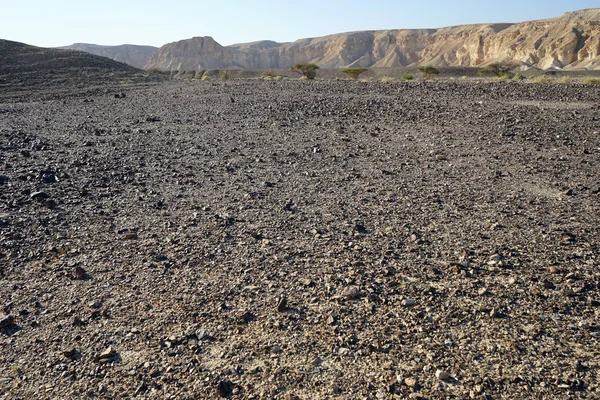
53	23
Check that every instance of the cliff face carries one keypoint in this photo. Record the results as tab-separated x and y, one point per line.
136	56
571	41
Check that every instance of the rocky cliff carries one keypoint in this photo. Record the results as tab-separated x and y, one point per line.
136	56
571	41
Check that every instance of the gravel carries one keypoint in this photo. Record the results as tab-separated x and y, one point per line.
304	240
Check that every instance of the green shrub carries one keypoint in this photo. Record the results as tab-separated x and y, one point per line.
223	75
308	71
157	71
428	71
387	79
519	77
588	80
354	73
408	77
543	79
565	79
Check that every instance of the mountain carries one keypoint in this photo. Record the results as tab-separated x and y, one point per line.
134	55
571	41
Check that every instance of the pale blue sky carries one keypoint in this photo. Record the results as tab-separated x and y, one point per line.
109	22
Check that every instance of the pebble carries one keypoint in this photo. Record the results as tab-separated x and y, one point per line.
4	179
408	302
410	382
106	356
79	273
39	195
282	305
95	304
351	292
442	375
584	324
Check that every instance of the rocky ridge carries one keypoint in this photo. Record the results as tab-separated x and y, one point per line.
571	41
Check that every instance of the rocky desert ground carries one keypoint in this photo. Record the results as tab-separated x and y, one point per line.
300	240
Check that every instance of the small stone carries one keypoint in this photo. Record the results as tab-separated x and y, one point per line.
408	302
569	292
351	293
6	321
106	356
442	375
549	284
225	388
70	353
130	236
4	179
95	304
39	196
79	273
441	157
400	379
483	291
554	270
410	382
282	305
76	321
584	324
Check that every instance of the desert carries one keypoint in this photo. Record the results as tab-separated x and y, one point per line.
324	239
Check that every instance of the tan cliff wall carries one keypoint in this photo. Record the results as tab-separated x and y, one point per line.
571	41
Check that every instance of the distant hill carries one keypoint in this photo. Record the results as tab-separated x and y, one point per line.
134	55
571	41
28	69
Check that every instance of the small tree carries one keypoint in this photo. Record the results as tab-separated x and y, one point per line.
307	70
428	71
501	70
354	73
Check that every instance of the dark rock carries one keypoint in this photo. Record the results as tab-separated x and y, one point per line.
7	321
282	304
225	388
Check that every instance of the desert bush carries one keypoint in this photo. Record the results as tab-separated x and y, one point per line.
308	71
501	70
223	75
267	72
428	71
565	79
267	78
408	77
519	77
387	79
157	71
590	81
543	79
464	78
354	73
278	78
304	78
205	78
